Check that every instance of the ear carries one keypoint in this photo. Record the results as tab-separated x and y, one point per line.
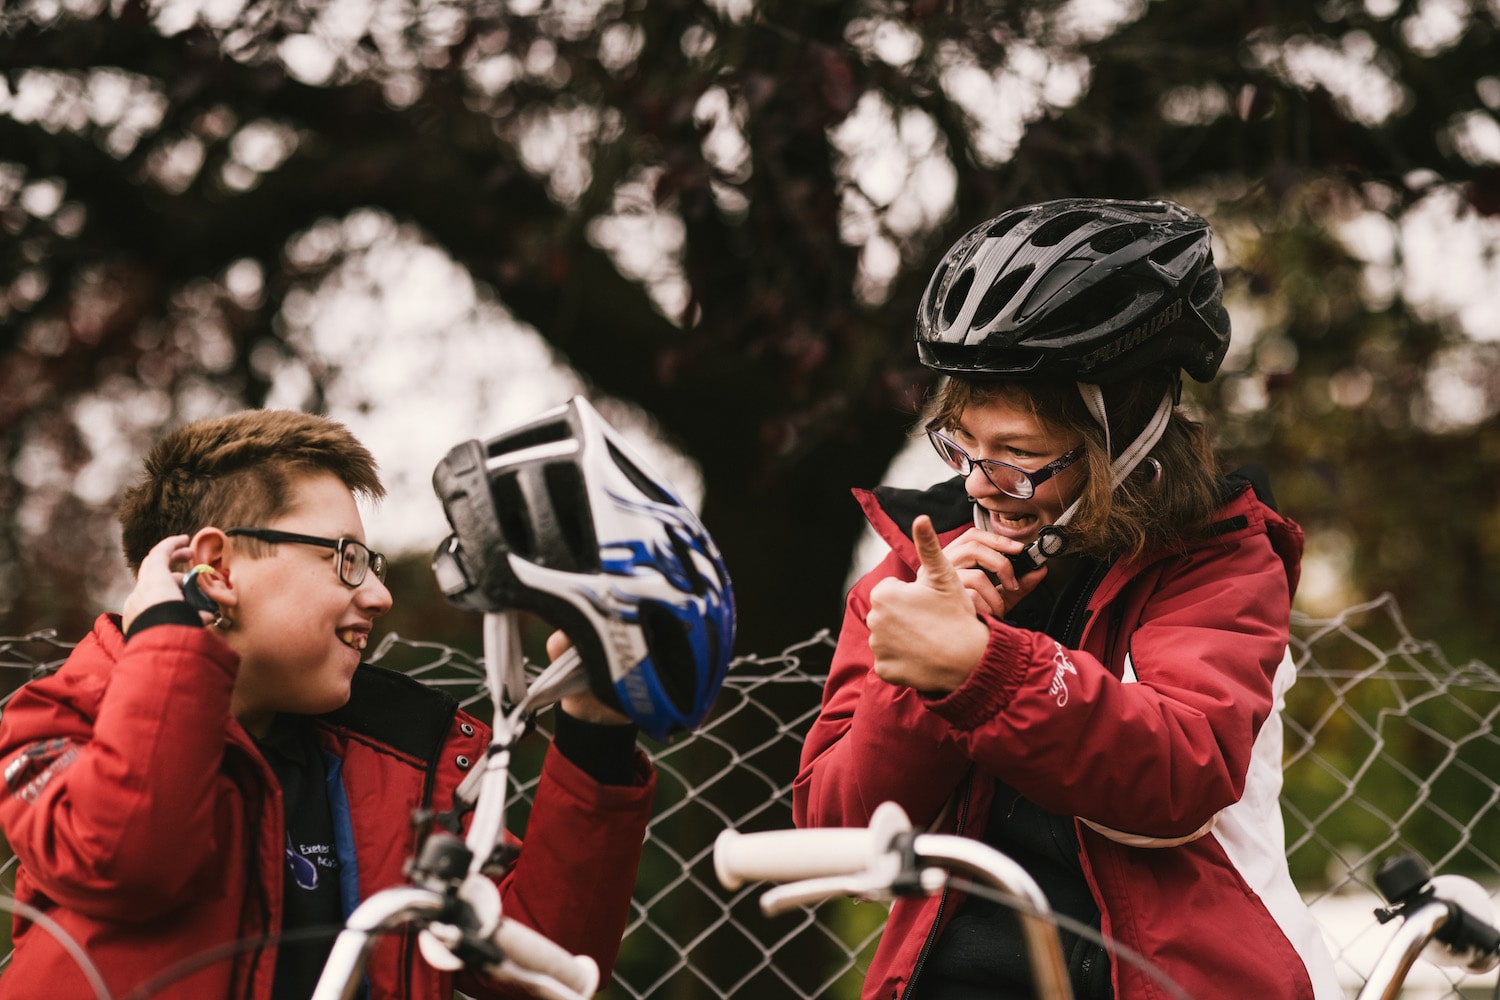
210	548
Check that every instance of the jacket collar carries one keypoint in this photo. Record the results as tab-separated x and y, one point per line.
1247	508
891	512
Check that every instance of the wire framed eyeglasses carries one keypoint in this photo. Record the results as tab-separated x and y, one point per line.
352	559
1008	479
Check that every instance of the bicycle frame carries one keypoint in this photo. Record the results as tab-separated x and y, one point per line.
452	899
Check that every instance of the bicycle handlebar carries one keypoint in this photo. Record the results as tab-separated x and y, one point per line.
351	949
886	859
789	855
533	960
1440	921
520	955
1440	916
795	855
455	906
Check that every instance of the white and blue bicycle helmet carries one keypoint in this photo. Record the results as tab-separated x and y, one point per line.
562	518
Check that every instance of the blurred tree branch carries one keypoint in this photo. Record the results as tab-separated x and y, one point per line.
787	372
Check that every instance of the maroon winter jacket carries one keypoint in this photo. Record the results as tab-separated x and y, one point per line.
1158	732
150	828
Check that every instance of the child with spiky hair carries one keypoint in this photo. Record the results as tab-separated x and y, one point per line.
200	797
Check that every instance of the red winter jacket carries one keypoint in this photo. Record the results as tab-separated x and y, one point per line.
150	828
1158	732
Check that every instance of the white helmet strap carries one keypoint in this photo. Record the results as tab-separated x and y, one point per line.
1125	464
1093	397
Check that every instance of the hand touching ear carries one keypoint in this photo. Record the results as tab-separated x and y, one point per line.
924	634
156	582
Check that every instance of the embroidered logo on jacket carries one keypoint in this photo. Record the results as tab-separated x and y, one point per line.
303	863
33	768
1061	667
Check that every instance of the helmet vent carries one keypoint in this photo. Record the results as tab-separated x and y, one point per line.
579	551
1164	255
716	654
1060	228
684	556
666	637
1000	294
530	437
637	478
1005	224
510	512
1118	237
953	302
1209	288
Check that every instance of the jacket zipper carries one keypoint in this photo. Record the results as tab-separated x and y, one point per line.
937	920
1073	634
409	946
254	820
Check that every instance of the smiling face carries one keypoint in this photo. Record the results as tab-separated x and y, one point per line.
297	628
1004	429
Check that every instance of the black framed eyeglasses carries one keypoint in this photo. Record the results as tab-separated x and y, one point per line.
1008	479
351	557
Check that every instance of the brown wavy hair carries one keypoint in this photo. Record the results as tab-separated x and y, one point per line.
237	470
1140	514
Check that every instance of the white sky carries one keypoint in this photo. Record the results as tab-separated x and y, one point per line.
424	363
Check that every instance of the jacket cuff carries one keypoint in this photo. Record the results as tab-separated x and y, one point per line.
605	752
165	613
583	787
990	686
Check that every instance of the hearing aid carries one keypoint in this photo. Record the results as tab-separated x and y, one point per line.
194	594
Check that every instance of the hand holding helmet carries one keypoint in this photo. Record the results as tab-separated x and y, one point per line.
583	706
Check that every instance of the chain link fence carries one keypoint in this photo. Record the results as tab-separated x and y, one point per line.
1389	748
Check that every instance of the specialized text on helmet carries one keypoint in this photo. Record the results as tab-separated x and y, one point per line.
1156	324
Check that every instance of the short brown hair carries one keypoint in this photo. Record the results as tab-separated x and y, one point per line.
236	470
1139	514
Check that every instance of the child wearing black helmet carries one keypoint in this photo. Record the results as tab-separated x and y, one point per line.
200	798
1076	649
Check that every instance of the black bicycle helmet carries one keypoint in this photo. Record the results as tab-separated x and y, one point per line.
560	517
1086	289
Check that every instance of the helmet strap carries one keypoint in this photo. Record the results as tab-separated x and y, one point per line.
1136	453
1124	465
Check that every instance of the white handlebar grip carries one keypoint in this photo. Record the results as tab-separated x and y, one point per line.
540	954
1476	902
789	855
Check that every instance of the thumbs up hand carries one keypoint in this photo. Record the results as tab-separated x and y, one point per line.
924	634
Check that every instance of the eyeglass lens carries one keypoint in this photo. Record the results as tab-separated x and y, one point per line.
355	559
1006	478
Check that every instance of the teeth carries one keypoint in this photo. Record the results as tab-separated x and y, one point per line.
353	638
